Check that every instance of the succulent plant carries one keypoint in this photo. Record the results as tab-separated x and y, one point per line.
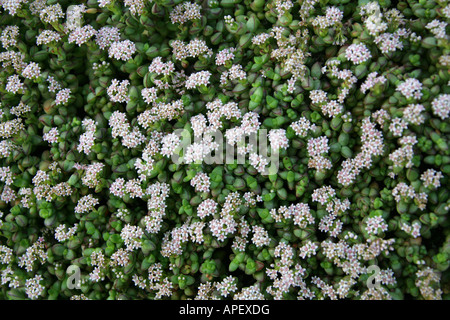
224	149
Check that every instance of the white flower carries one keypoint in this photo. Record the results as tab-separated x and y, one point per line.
122	50
357	53
198	79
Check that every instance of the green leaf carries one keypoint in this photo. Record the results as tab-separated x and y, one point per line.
115	238
58	249
269	196
233	266
250	267
252	183
20	182
271	102
148	246
74	178
257	95
122	168
45	213
90	227
16	294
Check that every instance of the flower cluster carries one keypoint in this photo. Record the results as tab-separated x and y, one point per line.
81	35
404	192
357	53
184	12
62	235
410	88
122	50
278	139
200	78
201	182
372	145
317	148
51	136
118	91
87	139
302	126
86	204
196	48
372	80
441	106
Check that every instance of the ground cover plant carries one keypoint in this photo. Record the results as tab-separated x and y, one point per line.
130	168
